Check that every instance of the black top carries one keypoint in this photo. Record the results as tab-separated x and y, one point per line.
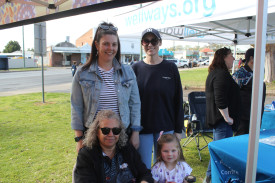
90	165
221	92
161	97
246	90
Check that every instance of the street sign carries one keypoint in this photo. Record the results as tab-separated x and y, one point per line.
40	39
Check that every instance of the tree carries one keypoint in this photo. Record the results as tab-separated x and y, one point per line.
270	63
215	47
176	48
11	47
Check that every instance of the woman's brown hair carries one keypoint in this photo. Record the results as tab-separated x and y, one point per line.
167	138
218	61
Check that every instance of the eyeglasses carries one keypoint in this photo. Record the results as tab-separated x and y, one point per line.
108	27
106	130
146	42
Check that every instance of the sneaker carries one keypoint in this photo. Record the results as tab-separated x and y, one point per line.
207	179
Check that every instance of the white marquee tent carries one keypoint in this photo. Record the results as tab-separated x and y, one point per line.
209	21
219	22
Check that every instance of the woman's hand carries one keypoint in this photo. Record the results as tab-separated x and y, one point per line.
229	121
134	140
225	115
79	145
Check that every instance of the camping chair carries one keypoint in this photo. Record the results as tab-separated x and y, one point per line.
197	128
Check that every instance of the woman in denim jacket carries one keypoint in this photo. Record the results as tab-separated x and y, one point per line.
104	83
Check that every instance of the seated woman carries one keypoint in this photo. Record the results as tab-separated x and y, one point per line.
106	155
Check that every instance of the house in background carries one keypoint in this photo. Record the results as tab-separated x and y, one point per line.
186	54
65	53
206	53
86	38
130	49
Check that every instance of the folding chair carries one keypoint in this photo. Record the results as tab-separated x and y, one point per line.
197	128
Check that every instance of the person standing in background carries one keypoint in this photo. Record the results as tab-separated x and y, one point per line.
160	94
73	69
244	78
222	99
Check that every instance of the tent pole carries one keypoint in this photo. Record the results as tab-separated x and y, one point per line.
257	91
235	53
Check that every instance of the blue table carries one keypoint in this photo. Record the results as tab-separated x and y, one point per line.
228	159
268	121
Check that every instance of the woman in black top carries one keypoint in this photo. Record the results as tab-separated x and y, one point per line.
160	95
222	98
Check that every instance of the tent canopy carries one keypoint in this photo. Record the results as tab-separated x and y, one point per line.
210	21
22	12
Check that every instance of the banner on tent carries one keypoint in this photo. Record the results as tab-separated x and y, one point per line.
176	18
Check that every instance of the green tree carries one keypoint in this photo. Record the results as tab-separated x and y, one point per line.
215	47
176	48
11	47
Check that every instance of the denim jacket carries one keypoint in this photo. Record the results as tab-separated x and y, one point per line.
85	92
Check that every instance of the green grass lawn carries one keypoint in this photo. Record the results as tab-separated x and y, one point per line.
37	142
195	79
28	69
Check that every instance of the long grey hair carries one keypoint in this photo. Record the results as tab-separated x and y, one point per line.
91	135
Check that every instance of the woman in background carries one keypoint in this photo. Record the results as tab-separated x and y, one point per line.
222	98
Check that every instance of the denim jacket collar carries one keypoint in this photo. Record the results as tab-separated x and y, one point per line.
116	65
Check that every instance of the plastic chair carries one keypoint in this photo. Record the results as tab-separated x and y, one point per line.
197	128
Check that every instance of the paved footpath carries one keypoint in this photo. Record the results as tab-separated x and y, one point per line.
22	82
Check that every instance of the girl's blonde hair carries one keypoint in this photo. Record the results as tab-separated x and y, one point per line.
167	138
91	135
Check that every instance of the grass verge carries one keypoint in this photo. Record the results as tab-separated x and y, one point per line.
195	79
36	139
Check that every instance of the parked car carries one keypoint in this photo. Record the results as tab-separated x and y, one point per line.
200	62
184	63
177	62
195	63
206	62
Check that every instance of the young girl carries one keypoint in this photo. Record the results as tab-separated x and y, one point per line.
170	165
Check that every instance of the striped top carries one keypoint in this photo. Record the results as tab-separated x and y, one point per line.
108	97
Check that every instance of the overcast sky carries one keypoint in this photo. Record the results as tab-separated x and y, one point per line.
58	29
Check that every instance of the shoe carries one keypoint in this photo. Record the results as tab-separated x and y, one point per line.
207	179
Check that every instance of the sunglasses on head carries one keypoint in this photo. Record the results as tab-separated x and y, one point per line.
106	130
146	42
108	27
